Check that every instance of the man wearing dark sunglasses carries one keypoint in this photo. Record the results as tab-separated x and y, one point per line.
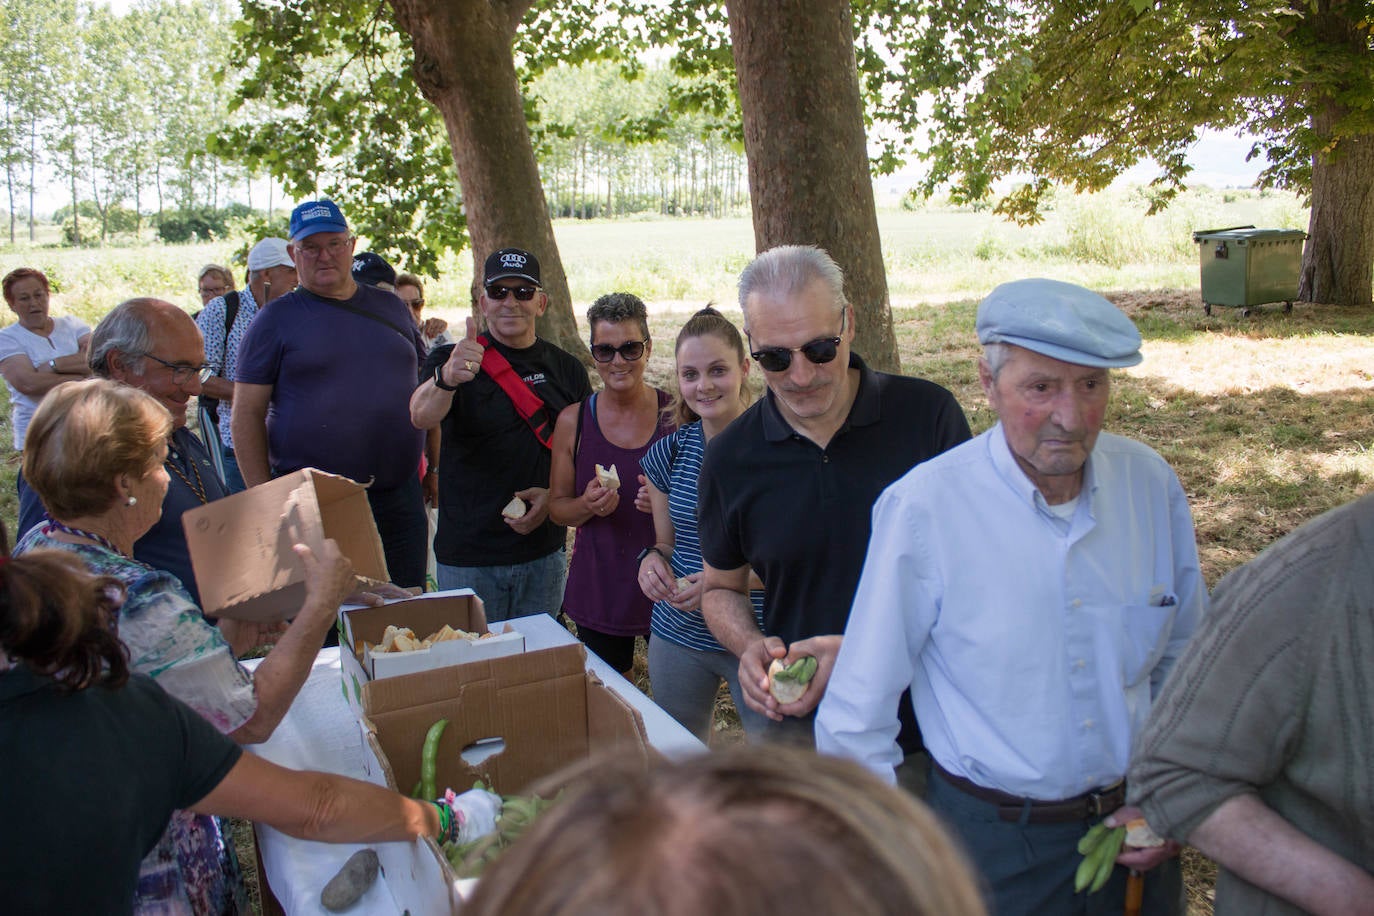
491	452
786	489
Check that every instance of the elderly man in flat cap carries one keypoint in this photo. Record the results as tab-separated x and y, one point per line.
1033	587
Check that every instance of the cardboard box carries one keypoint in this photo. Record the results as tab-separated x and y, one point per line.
547	710
361	628
241	545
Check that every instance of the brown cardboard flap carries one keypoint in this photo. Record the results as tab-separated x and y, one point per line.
241	546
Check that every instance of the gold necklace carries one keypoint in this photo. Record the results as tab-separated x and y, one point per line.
198	487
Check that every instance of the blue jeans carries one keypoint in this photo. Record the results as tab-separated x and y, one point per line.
233	477
31	510
401	522
535	587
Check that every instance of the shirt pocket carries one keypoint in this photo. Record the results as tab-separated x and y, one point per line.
1145	635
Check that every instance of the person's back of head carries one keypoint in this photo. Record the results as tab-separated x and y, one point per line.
738	832
56	618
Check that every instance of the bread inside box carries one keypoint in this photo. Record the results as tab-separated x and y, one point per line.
544	706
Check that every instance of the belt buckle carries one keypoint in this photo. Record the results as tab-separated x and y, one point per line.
1095	804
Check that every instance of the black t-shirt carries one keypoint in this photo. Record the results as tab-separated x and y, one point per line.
488	453
88	781
800	516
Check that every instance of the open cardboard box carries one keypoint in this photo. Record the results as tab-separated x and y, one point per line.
361	629
241	545
547	710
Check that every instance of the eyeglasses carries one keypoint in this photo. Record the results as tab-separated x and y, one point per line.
331	248
523	293
629	351
182	374
820	351
213	290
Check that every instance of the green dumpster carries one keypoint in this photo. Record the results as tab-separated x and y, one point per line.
1243	266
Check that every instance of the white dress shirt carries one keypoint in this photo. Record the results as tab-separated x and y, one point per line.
1033	645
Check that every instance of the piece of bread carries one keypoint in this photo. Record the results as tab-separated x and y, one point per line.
789	683
1139	834
608	477
516	508
684	583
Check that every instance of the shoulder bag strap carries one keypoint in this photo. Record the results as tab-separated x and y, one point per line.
364	313
528	404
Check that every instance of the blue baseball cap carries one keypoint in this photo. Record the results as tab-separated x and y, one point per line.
1061	321
316	216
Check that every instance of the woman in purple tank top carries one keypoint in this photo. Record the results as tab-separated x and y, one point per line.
616	426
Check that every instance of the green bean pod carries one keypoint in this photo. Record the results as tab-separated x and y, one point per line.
429	757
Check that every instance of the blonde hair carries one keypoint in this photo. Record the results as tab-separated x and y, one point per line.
737	832
85	434
707	323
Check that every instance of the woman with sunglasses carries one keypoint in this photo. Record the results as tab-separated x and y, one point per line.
613	427
686	663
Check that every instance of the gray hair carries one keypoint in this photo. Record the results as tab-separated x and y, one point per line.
614	308
995	354
787	270
125	329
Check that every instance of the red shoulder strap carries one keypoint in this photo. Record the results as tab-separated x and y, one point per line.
529	405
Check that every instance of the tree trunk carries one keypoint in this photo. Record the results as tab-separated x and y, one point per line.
1338	261
465	65
808	161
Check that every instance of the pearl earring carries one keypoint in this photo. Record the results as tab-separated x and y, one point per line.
133	501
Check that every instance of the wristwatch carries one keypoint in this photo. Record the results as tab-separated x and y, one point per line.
646	551
52	364
440	384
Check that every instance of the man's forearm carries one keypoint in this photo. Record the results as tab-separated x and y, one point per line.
1252	840
250	446
218	388
730	616
429	405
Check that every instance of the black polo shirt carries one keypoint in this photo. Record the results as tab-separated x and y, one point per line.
800	515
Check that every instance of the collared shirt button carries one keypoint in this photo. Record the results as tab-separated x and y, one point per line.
1088	723
1079	664
1077	602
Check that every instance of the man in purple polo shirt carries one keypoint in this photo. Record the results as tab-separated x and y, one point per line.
324	380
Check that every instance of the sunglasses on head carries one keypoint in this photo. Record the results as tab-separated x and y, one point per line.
630	351
819	351
523	293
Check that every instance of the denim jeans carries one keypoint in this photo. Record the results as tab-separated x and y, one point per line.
233	477
400	516
31	510
535	587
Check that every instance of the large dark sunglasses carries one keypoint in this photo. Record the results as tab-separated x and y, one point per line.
820	351
630	351
523	293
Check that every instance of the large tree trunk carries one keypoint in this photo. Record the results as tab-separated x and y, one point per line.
808	161
464	64
1338	262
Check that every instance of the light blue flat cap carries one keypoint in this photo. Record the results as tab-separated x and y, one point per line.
1061	321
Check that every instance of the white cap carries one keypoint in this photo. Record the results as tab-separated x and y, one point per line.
270	252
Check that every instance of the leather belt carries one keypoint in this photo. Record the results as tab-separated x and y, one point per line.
1097	803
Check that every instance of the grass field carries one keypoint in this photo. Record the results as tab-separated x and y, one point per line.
1268	420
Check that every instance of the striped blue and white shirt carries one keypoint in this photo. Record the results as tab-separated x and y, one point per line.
673	464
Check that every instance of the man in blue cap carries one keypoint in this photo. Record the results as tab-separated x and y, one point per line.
1033	587
324	380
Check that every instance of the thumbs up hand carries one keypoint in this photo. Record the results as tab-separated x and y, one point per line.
466	359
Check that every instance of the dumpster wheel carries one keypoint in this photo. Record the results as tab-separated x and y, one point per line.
1246	313
1206	308
1288	307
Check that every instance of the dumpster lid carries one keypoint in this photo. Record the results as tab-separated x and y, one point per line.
1247	234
